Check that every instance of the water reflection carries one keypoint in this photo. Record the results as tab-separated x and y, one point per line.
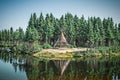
82	69
30	68
11	70
61	66
47	70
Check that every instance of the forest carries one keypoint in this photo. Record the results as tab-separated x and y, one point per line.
43	32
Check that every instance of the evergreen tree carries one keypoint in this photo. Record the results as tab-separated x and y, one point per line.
57	30
11	34
31	22
35	20
96	31
51	34
119	33
101	32
70	28
8	35
3	35
16	36
83	31
0	35
41	25
90	33
46	28
62	25
49	28
108	25
21	34
77	30
31	35
116	35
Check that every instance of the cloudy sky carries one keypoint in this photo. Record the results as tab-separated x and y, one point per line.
16	13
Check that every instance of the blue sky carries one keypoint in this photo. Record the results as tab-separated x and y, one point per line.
16	13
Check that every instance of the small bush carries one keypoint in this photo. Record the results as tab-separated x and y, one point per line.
71	46
37	48
53	56
46	46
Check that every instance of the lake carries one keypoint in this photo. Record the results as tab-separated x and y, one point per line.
24	67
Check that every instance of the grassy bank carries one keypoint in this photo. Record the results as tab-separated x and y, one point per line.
73	55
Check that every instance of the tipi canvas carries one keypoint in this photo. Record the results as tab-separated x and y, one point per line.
61	42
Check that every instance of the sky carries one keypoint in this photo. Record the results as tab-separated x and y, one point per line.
16	13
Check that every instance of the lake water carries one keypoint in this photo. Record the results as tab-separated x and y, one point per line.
21	67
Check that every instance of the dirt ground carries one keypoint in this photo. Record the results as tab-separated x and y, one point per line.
61	50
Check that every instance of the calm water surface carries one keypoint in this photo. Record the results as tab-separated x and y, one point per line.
21	67
7	72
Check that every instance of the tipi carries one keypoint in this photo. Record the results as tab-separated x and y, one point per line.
61	42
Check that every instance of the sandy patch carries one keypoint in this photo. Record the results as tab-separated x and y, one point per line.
61	50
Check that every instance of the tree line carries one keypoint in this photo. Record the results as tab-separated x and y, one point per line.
79	32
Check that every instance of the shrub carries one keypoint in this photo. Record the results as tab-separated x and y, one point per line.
46	46
71	46
37	48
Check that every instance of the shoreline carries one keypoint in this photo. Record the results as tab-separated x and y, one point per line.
60	50
70	53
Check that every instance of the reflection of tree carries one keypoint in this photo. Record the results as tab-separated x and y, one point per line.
17	61
92	68
15	67
46	70
41	68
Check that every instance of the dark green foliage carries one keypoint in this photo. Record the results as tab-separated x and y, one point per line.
79	32
16	35
30	48
31	34
37	48
21	34
110	49
90	33
40	26
0	35
46	46
11	34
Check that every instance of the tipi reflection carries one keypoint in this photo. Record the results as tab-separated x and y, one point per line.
61	66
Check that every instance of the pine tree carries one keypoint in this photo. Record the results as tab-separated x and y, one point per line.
96	31
70	29
11	33
83	31
116	35
49	28
119	33
31	22
0	35
46	28
57	30
3	35
41	25
35	20
21	34
31	35
108	25
16	36
77	30
62	23
101	32
8	35
90	33
52	23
